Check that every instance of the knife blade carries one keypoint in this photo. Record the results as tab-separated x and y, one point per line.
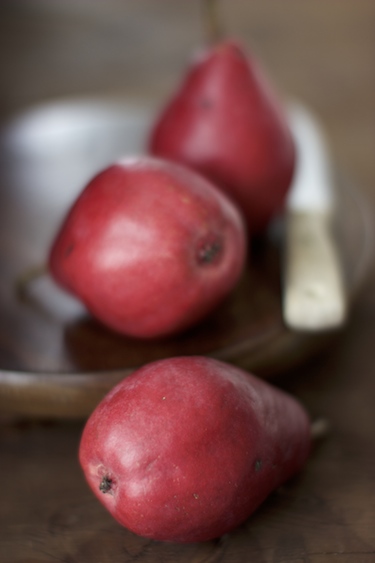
313	291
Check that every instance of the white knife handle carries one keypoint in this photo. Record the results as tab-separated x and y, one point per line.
314	297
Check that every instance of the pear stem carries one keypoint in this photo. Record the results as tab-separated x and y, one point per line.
213	23
319	428
27	277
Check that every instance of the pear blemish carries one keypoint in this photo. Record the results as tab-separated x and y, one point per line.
209	251
106	484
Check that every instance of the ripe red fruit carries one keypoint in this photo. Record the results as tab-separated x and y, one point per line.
226	122
185	449
149	247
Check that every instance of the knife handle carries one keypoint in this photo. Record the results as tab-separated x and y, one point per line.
314	296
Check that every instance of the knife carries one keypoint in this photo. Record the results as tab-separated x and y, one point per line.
313	292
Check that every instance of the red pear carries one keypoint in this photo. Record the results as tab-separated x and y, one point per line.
226	121
186	449
149	247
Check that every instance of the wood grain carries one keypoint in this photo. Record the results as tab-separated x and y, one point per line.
320	53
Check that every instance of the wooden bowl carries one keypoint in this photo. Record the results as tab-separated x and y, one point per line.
56	361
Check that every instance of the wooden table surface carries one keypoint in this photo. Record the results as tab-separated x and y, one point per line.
321	53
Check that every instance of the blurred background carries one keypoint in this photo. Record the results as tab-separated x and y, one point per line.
321	53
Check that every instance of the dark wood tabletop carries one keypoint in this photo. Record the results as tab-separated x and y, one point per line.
320	53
